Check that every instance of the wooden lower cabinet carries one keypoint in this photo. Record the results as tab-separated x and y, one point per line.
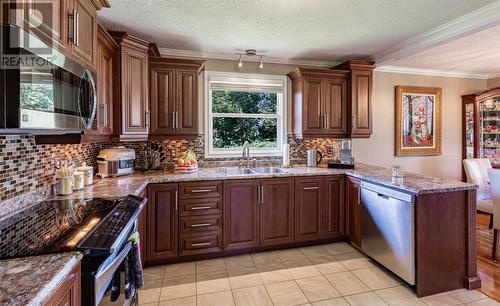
334	206
309	208
162	227
276	211
69	292
353	209
241	214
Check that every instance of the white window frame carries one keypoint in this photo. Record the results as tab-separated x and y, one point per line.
248	79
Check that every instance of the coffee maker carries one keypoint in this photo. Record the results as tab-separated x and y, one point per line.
346	160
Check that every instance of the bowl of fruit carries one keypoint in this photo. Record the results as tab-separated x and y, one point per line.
186	162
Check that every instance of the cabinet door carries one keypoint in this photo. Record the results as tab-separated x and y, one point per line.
334	206
162	215
104	90
135	112
241	220
276	211
312	109
309	209
162	97
186	116
335	106
353	202
361	87
83	31
69	292
47	19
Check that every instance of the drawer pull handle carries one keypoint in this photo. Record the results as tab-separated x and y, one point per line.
200	190
200	208
200	225
311	188
200	244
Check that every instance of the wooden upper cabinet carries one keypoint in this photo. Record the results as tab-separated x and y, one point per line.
131	90
241	214
353	210
334	206
162	226
83	31
276	211
174	96
359	97
105	50
48	20
319	102
309	208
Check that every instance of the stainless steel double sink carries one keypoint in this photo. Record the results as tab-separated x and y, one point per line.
250	171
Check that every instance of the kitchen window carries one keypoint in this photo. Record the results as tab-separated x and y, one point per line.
244	107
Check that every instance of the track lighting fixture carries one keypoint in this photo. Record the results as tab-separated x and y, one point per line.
250	53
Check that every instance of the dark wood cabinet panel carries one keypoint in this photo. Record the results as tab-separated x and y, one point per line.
162	215
187	102
200	190
334	206
241	214
197	224
48	21
312	120
205	206
84	36
201	243
353	202
309	208
276	211
335	106
162	96
69	292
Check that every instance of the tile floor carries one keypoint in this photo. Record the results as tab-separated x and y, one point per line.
327	275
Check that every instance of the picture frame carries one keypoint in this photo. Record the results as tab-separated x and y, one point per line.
418	121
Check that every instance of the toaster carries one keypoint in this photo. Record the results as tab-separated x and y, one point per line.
115	162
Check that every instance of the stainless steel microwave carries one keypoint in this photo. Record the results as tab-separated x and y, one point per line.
41	88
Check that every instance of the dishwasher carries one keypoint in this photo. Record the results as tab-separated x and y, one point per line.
388	229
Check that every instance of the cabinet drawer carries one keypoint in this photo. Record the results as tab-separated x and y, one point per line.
192	244
199	190
200	206
197	224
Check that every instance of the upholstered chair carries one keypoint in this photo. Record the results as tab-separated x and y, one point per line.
494	176
476	170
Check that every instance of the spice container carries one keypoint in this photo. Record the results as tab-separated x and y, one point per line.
88	173
78	183
64	185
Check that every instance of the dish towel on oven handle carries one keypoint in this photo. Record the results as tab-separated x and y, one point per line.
135	267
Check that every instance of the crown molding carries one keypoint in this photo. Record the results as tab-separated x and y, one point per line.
472	22
191	54
433	72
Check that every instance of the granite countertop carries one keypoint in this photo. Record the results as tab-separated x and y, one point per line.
32	280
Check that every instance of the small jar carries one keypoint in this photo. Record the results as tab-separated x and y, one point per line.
64	185
79	180
88	173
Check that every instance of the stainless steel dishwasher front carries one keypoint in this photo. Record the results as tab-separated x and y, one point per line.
388	229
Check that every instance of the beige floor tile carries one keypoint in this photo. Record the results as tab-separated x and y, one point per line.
275	276
357	263
485	302
182	286
151	291
173	270
212	282
315	251
317	288
266	258
467	296
245	280
330	267
254	296
291	255
346	283
441	299
339	248
400	296
333	302
147	304
303	272
154	273
238	262
297	263
271	267
223	298
376	278
286	293
322	259
186	301
210	265
241	271
365	299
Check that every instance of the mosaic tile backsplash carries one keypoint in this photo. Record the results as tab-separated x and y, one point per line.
25	166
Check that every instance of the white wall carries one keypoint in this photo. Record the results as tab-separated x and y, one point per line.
379	149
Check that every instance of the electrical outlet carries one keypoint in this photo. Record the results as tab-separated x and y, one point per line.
330	150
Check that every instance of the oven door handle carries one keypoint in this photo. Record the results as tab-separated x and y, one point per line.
105	273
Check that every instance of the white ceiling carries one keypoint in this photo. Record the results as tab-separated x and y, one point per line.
323	30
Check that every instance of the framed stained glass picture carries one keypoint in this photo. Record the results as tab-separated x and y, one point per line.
418	121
